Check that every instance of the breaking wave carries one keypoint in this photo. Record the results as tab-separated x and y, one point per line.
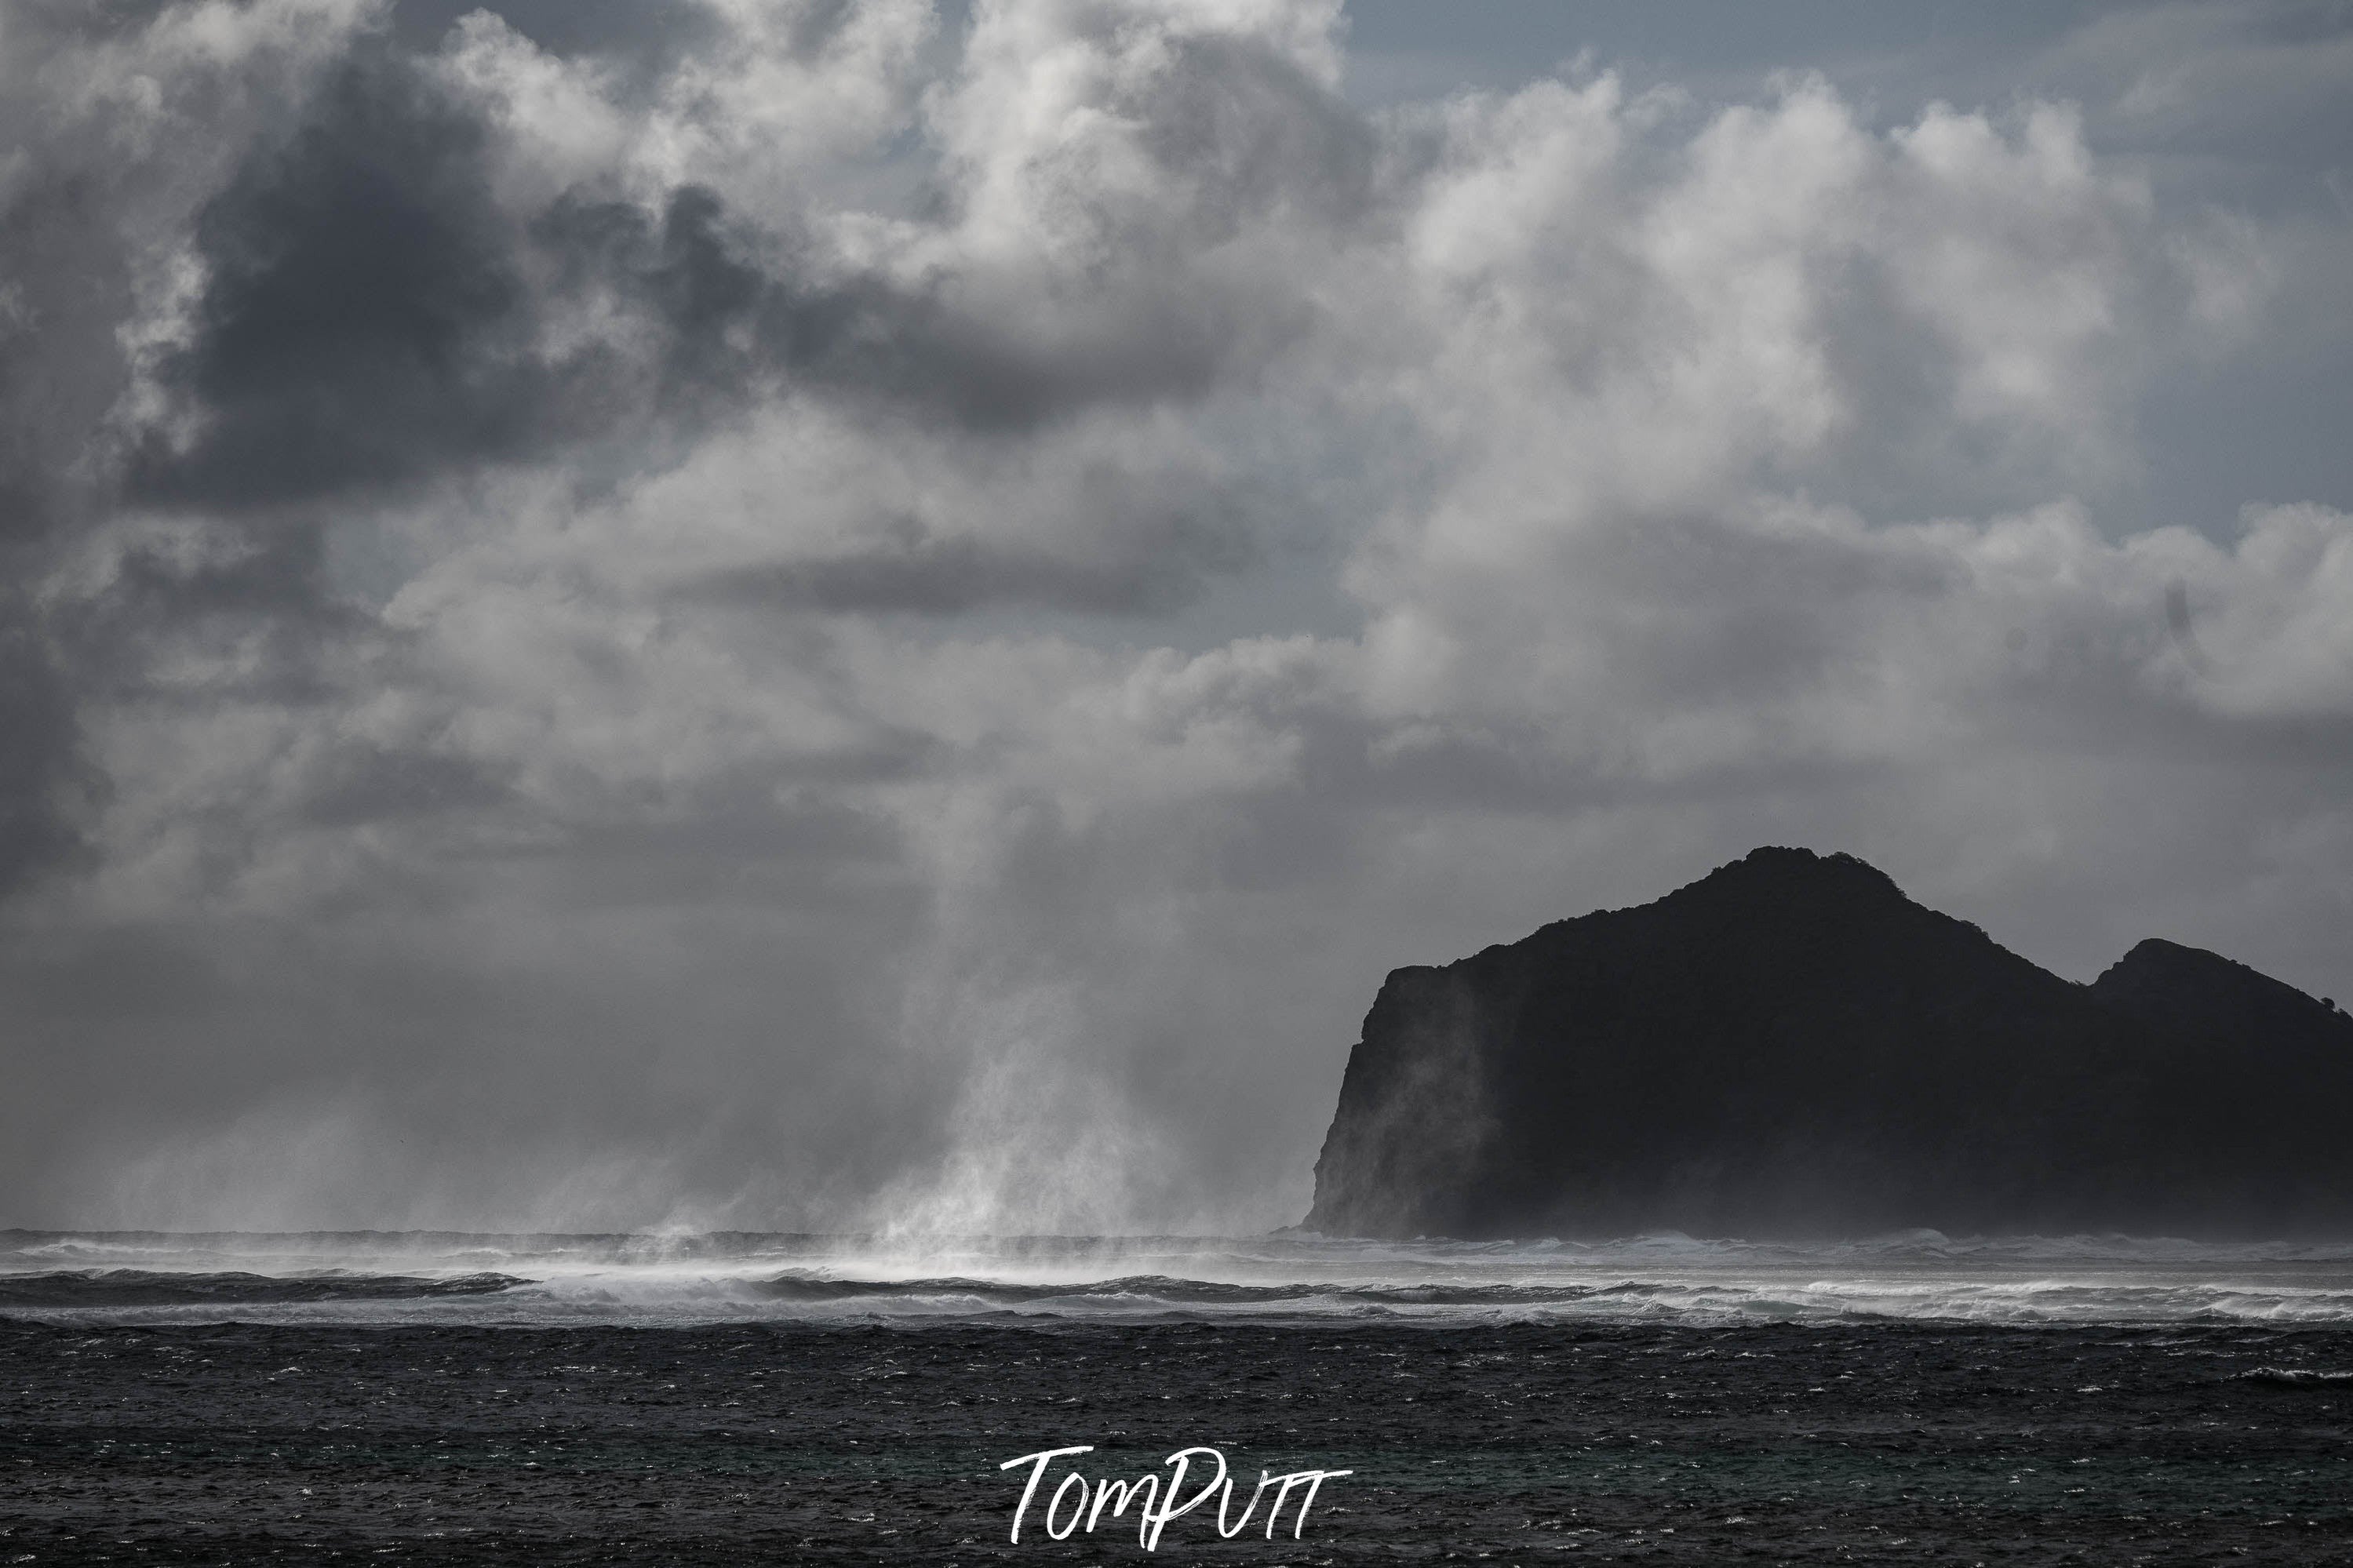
2296	1377
151	1287
1917	1276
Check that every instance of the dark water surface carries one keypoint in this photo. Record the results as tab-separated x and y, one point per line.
830	1443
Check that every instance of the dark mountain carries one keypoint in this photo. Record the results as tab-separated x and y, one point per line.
1791	1047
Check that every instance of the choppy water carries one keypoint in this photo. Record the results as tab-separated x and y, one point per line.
756	1399
418	1276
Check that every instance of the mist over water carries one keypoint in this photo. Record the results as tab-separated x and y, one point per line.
794	616
444	1278
758	688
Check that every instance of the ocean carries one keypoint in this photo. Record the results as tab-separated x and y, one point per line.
712	1399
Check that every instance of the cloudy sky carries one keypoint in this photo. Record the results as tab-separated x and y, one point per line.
824	613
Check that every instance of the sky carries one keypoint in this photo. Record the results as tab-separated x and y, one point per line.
861	614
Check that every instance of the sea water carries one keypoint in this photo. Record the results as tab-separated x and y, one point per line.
713	1399
427	1278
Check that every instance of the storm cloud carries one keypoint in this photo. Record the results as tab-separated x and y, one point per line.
855	613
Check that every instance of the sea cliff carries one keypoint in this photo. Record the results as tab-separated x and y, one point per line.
1792	1047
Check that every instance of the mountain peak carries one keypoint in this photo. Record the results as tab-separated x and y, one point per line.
2164	982
1800	868
1791	1045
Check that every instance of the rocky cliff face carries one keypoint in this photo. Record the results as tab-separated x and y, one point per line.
1790	1046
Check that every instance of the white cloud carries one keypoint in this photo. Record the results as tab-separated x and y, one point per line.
808	748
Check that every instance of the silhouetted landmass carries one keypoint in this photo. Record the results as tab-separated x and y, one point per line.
1791	1047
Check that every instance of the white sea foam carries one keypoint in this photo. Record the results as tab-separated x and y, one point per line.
445	1276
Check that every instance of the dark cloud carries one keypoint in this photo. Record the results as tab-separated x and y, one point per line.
373	783
64	293
368	321
364	320
732	320
64	290
260	593
47	784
